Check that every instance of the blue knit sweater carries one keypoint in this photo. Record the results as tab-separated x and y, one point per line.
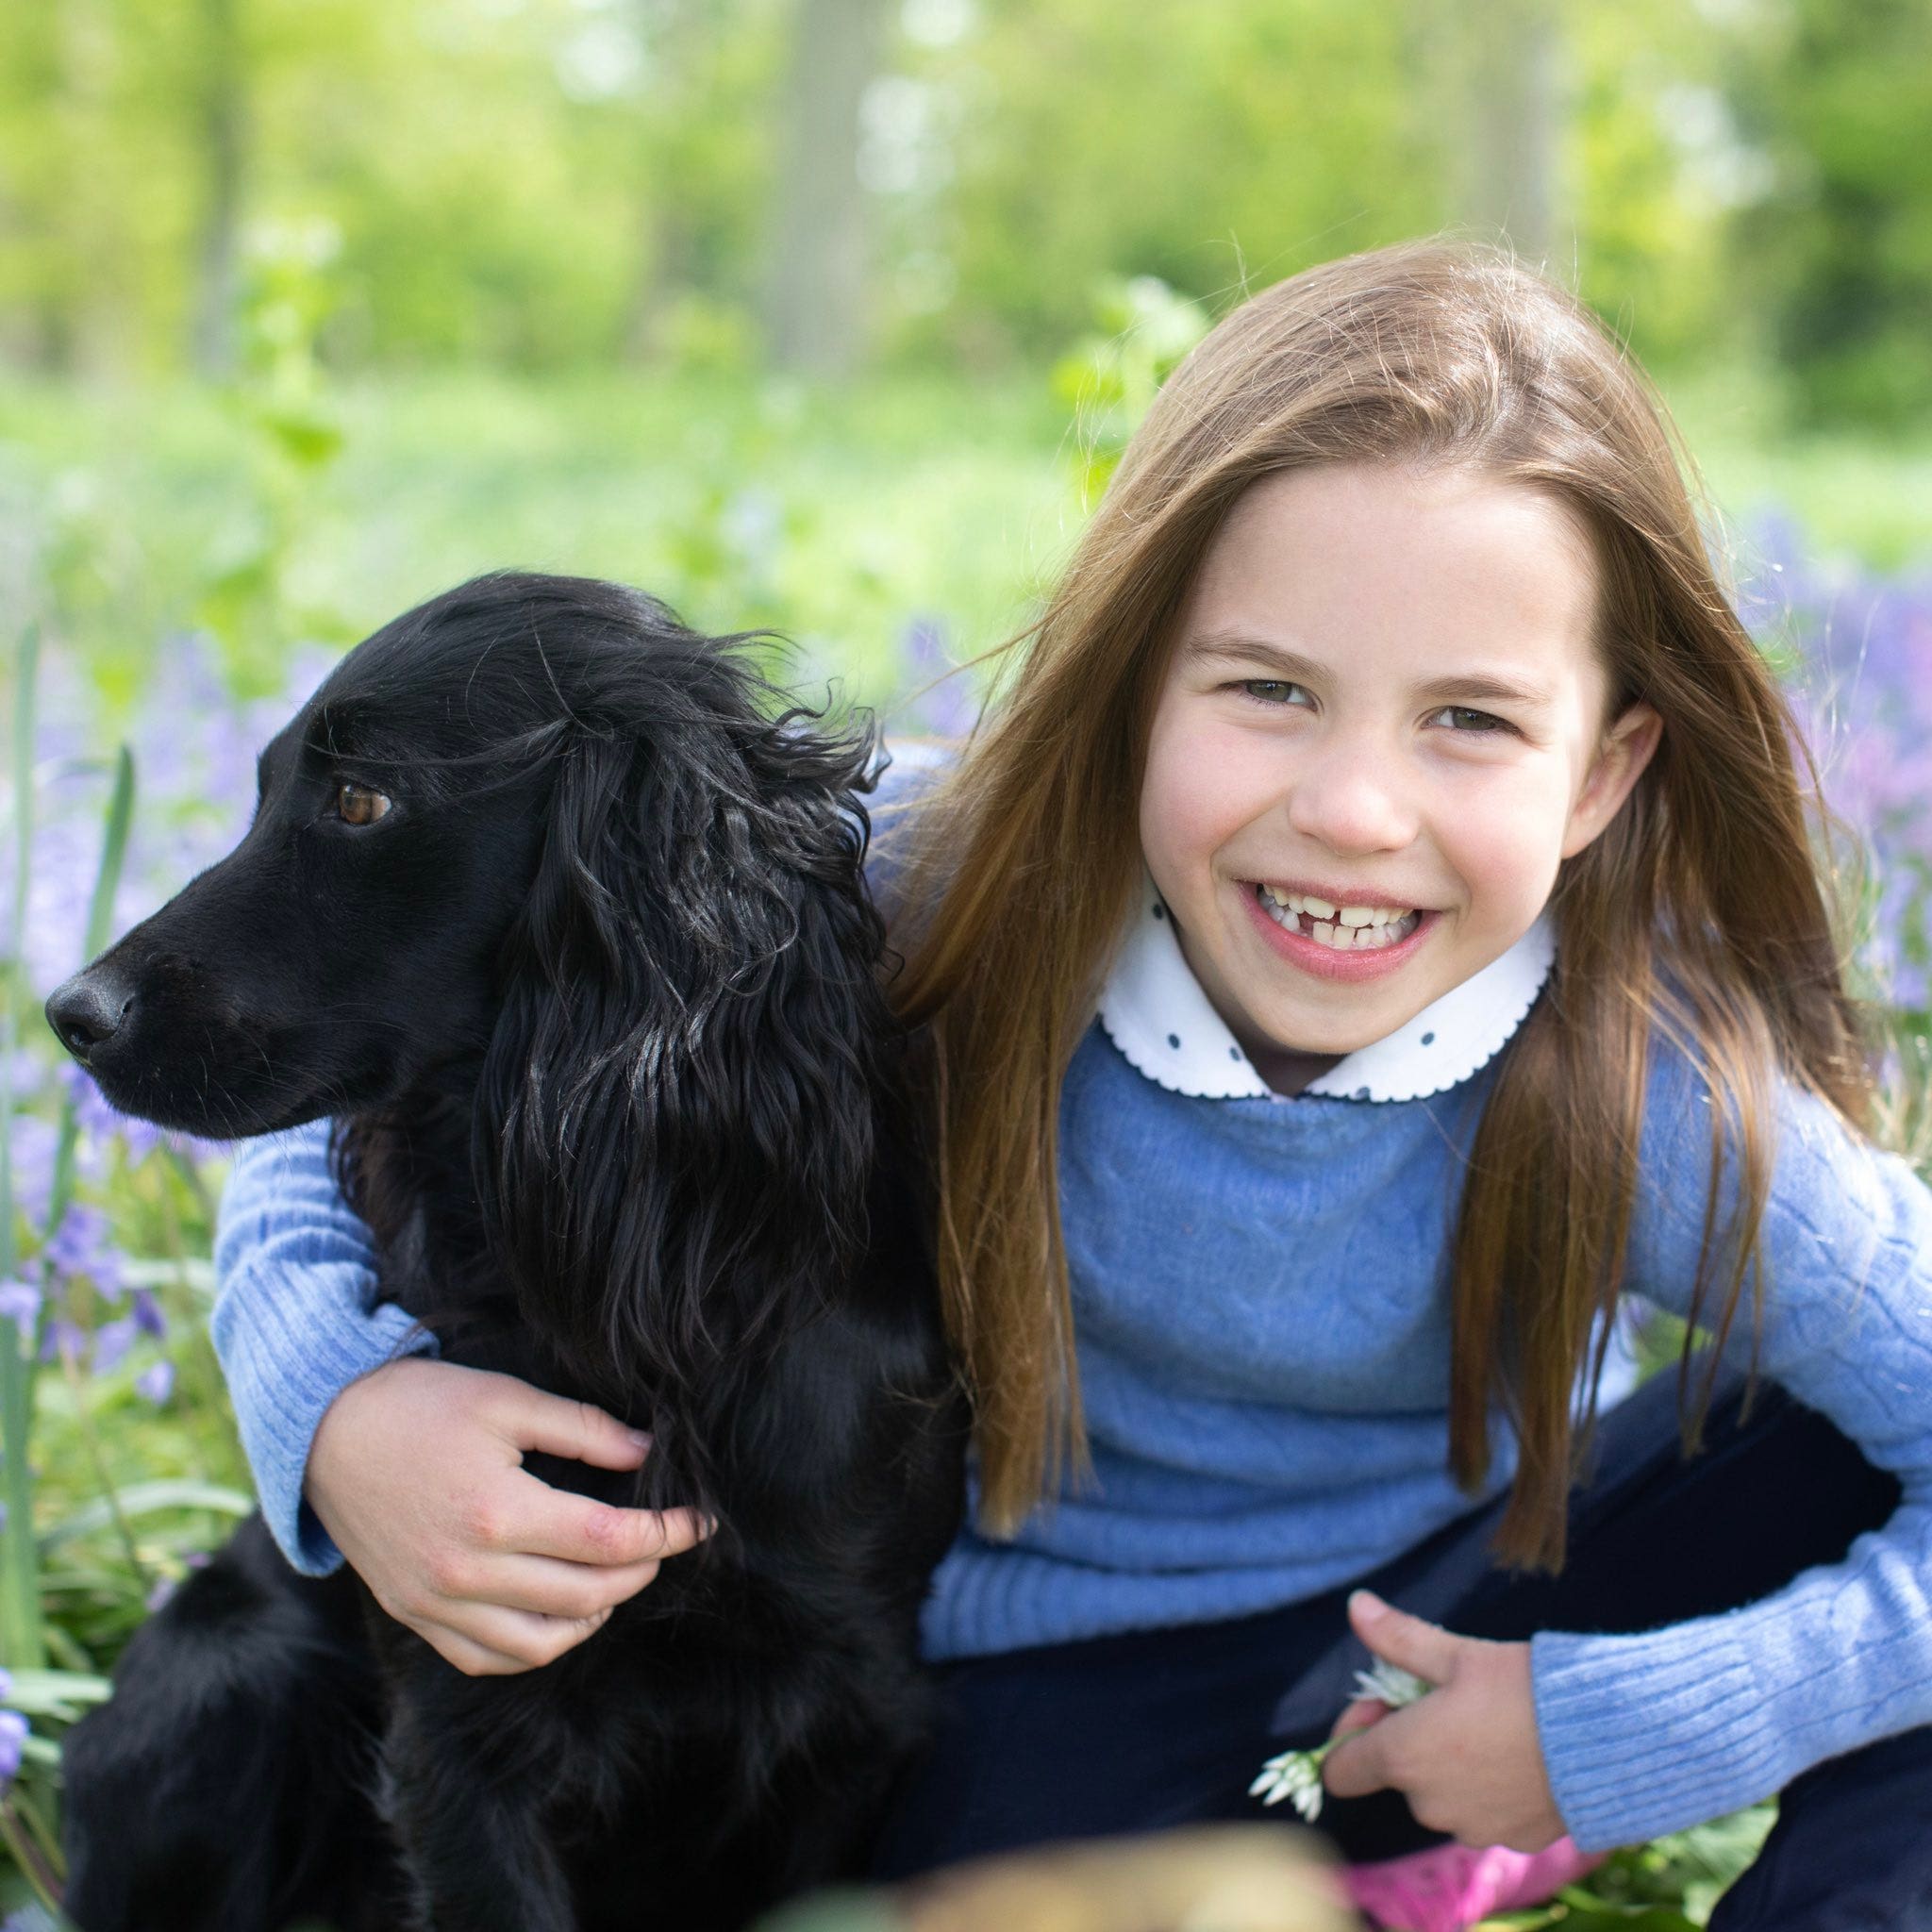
1260	1293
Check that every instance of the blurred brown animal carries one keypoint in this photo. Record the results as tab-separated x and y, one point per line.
1201	1879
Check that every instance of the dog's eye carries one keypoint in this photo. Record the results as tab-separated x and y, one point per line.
359	804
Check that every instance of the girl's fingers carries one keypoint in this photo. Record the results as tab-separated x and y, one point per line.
1363	1765
485	1641
579	1430
544	1587
1358	1717
473	1659
1413	1642
575	1529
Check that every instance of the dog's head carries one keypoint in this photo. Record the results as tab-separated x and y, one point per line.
538	841
527	775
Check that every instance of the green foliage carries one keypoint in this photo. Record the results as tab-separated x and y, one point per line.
291	437
545	184
1840	250
1669	1885
30	1632
1107	382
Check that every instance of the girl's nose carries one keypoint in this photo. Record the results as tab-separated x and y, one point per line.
1350	801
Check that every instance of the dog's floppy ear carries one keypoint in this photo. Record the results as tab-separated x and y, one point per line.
675	1131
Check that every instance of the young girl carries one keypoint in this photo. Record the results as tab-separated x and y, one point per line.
1374	933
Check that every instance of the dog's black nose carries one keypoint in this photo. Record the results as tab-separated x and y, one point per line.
86	1010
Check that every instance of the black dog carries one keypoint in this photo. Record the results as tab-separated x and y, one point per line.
561	921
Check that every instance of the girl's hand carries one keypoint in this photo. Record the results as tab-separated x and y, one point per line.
416	1472
1466	1757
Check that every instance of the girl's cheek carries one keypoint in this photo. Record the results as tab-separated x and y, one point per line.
1199	789
1506	839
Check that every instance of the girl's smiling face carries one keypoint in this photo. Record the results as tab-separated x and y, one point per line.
1385	696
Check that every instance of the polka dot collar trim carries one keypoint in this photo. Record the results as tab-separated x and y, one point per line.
1154	1010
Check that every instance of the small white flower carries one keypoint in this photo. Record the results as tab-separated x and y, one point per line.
1390	1684
1297	1775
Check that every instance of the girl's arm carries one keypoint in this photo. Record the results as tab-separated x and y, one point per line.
294	1321
413	1469
1650	1733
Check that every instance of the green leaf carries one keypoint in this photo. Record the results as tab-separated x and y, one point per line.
62	1694
1608	1918
20	1587
100	916
145	1499
838	1909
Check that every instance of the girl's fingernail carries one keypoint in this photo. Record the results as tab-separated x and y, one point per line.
1365	1603
640	1439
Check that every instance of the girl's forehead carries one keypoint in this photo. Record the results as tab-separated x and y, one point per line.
1396	506
1342	560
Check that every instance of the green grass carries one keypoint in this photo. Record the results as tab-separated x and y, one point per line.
833	516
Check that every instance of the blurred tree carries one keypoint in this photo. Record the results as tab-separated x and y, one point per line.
1512	124
549	184
702	155
224	125
1838	94
815	298
1207	146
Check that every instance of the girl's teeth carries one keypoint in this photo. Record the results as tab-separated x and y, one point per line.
1358	929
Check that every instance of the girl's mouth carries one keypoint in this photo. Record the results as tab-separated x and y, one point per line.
1337	942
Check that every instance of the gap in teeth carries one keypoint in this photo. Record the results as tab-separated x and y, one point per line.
1341	930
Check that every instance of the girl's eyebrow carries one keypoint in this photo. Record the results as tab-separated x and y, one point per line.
1221	646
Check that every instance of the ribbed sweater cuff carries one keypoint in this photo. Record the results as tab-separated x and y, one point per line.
1648	1734
284	1366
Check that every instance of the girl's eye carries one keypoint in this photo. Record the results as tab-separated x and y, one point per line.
359	804
1485	726
1279	692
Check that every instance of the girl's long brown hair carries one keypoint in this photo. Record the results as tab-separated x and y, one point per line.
1698	912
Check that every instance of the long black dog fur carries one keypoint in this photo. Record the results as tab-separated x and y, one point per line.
596	1008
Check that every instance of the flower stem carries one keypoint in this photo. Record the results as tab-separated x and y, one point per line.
26	1855
90	1440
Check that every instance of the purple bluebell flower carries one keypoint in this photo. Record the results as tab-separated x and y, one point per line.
1861	688
112	1340
62	1337
22	1301
13	1729
29	1073
81	1245
32	1146
156	1381
99	1123
945	702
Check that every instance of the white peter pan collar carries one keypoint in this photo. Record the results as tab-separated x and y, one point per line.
1155	1012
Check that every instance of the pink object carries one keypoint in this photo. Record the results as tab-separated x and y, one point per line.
1449	1886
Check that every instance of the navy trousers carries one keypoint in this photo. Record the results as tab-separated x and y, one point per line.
1154	1728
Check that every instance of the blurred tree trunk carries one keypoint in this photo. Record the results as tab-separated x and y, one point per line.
79	53
667	240
223	115
815	290
1509	84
